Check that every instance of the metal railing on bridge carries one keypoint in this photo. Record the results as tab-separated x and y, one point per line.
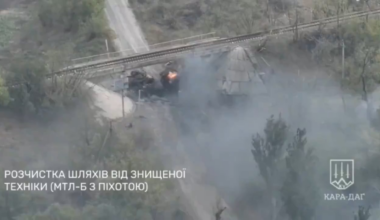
210	46
142	49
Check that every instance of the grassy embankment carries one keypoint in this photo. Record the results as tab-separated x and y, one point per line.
45	38
52	32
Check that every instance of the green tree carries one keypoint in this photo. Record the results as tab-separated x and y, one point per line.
268	149
363	213
68	15
4	94
246	22
268	153
362	42
299	192
25	83
360	70
30	90
55	211
94	152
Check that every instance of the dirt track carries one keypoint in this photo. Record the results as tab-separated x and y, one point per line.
110	102
200	200
129	35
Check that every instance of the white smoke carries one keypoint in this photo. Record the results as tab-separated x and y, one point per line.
334	123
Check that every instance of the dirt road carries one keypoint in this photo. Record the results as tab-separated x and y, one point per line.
110	102
129	35
123	22
200	200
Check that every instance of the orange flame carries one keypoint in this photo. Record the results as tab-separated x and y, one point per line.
172	75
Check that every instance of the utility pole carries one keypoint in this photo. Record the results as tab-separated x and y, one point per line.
296	30
338	13
122	101
108	54
139	100
343	75
368	8
343	51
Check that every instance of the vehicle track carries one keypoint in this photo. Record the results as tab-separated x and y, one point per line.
219	42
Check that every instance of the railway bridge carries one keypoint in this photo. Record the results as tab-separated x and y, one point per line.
208	44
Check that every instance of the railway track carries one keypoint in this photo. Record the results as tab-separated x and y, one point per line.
149	56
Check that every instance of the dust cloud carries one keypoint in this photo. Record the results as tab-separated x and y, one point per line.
220	137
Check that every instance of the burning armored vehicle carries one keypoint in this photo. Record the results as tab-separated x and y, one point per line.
143	85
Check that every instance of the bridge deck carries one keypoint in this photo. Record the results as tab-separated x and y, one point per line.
214	46
121	54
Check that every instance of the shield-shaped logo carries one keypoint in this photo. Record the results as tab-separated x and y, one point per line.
342	173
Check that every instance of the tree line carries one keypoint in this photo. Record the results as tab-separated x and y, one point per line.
288	168
80	26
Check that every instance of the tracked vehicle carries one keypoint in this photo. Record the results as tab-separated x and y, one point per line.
143	85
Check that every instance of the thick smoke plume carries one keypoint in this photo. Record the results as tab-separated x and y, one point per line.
220	136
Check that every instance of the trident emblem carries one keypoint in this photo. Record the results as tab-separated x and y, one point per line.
342	173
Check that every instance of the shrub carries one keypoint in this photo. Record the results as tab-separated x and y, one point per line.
25	84
68	15
4	94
